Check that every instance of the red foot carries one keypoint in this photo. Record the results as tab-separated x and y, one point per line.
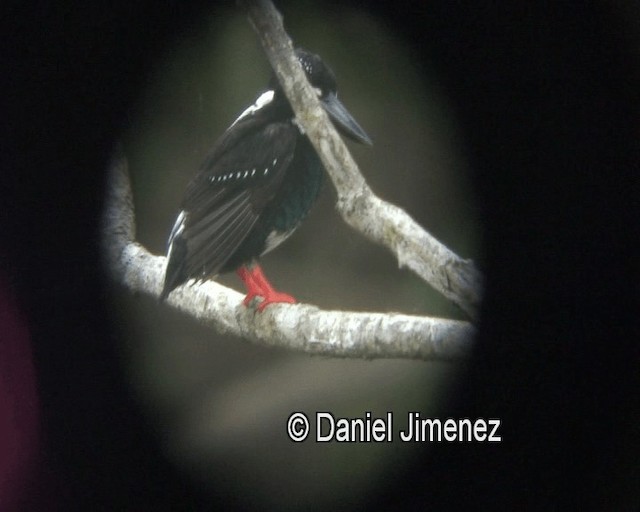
258	286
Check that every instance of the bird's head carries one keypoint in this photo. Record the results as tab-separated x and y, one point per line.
323	81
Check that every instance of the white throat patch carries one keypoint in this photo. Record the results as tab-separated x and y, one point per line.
263	100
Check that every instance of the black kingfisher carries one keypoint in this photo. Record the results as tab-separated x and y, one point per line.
253	189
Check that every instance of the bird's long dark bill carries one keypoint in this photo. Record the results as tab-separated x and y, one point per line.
344	121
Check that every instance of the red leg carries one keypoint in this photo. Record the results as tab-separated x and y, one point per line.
258	285
252	288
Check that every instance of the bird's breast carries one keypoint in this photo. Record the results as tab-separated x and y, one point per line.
298	192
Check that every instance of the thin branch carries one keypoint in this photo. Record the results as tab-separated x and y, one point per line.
456	278
298	327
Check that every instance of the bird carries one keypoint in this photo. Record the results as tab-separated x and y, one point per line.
253	189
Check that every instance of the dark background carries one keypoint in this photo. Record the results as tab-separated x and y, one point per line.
547	100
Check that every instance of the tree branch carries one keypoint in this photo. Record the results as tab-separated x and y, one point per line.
298	327
303	327
456	278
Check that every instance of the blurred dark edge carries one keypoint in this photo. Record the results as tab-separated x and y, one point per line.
547	97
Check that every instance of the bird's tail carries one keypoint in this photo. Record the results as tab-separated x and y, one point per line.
175	274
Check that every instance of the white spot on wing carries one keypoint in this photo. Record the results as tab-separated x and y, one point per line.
263	100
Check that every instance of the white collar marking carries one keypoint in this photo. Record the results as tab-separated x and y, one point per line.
263	100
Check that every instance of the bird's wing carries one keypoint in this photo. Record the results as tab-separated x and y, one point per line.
225	199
